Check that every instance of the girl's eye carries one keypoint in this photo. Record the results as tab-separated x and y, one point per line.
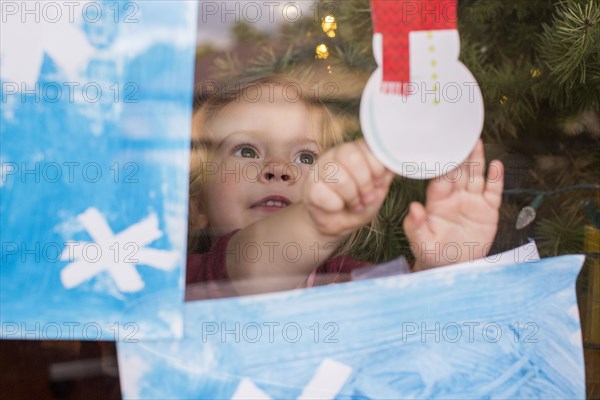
305	158
246	152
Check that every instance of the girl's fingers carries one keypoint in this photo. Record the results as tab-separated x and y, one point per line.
365	170
475	167
464	173
345	185
415	224
494	184
378	170
323	197
387	179
440	188
353	162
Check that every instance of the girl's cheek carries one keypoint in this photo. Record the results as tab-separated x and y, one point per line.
309	172
250	172
221	186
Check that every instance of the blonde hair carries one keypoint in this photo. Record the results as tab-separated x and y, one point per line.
207	107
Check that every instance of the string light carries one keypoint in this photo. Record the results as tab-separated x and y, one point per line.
322	51
536	72
528	213
329	25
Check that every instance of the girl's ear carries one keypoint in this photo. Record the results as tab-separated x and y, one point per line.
201	221
197	220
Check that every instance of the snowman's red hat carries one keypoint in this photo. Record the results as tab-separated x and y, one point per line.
394	19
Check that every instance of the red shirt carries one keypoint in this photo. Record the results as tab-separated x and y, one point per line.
210	268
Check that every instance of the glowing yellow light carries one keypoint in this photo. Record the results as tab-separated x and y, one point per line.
503	100
329	25
536	72
322	52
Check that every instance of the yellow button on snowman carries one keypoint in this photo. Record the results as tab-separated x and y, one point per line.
421	111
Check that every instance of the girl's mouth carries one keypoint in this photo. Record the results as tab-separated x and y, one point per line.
272	203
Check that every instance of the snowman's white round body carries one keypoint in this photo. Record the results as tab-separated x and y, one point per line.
433	129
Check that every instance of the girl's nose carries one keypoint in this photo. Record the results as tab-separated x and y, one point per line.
279	171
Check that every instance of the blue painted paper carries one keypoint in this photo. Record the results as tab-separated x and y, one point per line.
508	331
95	131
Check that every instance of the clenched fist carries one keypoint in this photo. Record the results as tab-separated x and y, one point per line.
348	190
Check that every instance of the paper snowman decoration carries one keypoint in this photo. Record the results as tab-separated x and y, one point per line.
421	111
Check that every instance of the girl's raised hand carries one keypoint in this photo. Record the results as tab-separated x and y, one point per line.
460	218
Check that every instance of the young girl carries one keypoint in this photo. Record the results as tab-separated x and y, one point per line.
279	193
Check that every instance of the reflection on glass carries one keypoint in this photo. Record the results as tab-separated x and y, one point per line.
271	99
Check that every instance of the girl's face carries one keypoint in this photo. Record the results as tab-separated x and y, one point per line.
262	152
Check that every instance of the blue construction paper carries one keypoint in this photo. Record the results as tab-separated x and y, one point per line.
95	131
508	331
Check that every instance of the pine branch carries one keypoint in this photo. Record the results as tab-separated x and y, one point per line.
570	48
561	233
227	66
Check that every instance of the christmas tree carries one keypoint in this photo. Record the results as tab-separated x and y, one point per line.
538	67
